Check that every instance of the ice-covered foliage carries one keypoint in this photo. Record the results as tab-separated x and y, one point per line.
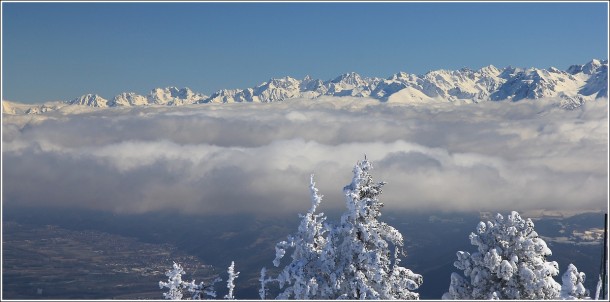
177	287
174	283
304	277
572	287
262	292
359	247
201	290
230	281
509	263
352	259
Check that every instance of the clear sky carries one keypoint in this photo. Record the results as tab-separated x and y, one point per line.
58	51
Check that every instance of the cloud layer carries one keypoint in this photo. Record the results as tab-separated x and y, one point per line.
257	158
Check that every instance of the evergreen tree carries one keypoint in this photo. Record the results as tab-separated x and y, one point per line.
230	281
303	278
174	283
176	286
572	287
348	260
510	263
262	292
358	252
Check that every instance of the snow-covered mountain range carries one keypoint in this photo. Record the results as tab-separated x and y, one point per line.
576	85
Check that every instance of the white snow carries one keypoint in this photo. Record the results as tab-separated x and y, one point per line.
509	263
572	287
91	100
231	281
579	84
346	260
176	286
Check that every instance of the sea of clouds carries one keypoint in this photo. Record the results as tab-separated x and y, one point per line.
257	158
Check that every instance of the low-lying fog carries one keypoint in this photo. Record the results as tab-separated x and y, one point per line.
257	158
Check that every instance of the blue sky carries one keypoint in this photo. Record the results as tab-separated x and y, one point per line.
58	51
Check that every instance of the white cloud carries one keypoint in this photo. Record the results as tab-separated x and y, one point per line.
258	157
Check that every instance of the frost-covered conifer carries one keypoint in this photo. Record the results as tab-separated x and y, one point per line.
572	287
361	264
349	260
177	286
174	283
230	281
262	292
510	263
304	278
199	291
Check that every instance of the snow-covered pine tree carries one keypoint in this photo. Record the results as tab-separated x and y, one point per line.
303	278
357	254
262	292
230	281
572	287
201	290
177	286
349	260
174	283
510	263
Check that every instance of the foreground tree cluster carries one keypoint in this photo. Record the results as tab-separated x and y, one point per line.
356	258
359	258
510	263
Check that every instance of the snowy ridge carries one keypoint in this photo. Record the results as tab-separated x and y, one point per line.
170	96
576	85
174	96
9	107
91	100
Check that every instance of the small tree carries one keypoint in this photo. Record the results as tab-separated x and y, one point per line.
303	278
262	292
177	286
572	287
510	263
174	283
230	281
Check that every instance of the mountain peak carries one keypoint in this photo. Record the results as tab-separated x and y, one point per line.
589	68
348	77
350	80
174	96
489	83
128	99
592	66
92	100
490	70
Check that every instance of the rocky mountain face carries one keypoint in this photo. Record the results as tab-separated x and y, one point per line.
574	86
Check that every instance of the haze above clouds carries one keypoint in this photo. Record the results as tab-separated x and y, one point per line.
257	158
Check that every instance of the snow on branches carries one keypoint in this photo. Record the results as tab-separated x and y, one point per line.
174	283
230	281
348	260
176	286
510	263
304	275
359	258
365	266
572	287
